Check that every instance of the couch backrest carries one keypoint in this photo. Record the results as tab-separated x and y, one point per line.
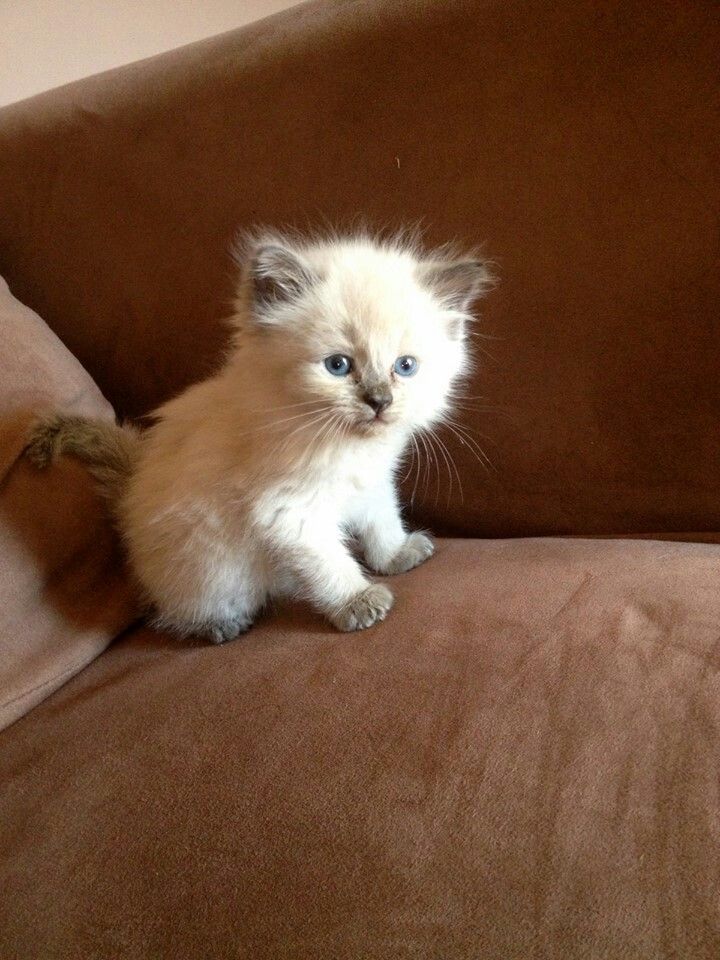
576	141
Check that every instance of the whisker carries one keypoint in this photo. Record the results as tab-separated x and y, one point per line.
287	406
297	416
320	423
468	440
472	445
494	410
417	474
412	463
449	459
344	427
282	446
432	439
274	424
464	396
326	431
460	425
470	434
322	431
427	462
476	406
436	463
334	434
486	353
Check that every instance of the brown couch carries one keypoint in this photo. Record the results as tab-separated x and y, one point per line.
523	761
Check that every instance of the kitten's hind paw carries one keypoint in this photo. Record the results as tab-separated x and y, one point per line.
221	631
366	608
418	548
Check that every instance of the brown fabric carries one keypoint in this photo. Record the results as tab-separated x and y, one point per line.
577	141
62	592
522	761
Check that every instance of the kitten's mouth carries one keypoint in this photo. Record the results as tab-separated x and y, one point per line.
370	424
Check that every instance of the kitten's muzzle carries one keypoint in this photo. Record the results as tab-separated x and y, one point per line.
378	400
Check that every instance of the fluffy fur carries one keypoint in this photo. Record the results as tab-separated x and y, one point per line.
256	482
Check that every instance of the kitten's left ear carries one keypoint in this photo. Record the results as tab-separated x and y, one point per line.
456	283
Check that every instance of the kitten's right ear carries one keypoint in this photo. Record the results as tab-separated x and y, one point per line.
275	275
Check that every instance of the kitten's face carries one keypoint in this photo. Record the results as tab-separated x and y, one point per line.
368	335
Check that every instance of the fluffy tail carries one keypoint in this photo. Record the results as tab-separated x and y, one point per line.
110	451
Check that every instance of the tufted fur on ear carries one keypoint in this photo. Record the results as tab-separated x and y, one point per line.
274	275
457	283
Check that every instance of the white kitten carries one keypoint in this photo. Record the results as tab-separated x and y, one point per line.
252	484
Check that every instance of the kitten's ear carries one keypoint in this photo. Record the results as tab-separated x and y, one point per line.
276	275
457	283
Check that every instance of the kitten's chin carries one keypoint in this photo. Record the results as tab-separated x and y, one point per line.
377	426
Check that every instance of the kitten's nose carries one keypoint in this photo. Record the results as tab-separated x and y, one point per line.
378	400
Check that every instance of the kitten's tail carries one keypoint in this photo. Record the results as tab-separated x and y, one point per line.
110	451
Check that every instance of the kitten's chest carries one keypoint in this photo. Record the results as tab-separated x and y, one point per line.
359	471
358	480
336	489
339	486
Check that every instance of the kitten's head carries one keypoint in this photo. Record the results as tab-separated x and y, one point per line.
373	333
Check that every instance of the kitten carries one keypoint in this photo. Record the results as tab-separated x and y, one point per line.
251	484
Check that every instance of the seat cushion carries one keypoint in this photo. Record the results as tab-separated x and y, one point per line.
63	594
522	761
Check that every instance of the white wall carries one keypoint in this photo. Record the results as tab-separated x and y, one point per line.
45	43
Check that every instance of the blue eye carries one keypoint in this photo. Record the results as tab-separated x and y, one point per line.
406	366
338	365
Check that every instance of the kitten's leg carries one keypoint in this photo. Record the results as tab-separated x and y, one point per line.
387	546
329	576
215	629
220	631
218	603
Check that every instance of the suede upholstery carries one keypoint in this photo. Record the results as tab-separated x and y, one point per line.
524	759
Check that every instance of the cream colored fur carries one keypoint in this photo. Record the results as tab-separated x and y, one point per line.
256	483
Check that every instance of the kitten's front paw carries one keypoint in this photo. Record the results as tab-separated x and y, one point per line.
366	608
416	550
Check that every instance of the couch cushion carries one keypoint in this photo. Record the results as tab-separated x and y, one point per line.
522	761
63	595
